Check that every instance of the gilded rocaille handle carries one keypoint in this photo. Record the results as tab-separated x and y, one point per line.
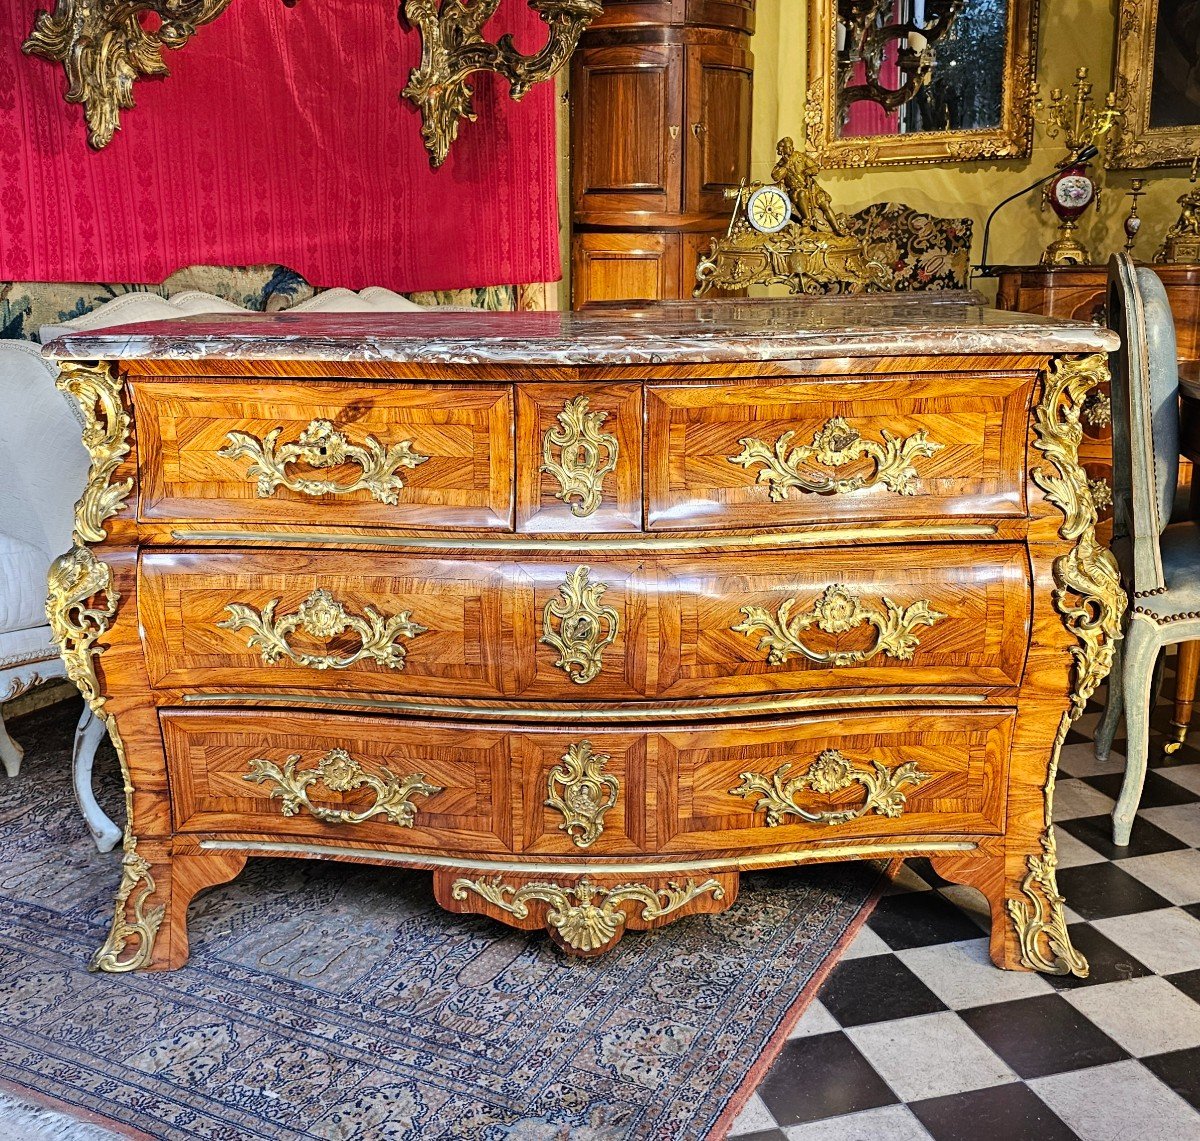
579	627
836	612
320	446
831	772
320	615
340	772
578	455
837	444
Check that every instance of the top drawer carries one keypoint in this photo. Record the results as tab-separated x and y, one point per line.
325	453
866	448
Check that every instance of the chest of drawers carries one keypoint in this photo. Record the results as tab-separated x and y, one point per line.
588	613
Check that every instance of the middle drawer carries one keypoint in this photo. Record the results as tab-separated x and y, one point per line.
549	629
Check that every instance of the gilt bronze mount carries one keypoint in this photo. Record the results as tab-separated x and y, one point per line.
104	47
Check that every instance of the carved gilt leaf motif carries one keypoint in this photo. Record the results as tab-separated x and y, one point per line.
585	455
586	917
579	627
320	615
831	772
582	792
836	444
340	772
319	446
837	611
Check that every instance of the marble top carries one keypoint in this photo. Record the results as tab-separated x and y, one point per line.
673	332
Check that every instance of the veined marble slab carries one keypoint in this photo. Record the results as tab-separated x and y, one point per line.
674	332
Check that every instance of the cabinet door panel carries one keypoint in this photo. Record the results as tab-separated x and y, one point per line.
720	96
625	267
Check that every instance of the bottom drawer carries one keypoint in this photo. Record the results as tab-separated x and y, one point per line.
472	789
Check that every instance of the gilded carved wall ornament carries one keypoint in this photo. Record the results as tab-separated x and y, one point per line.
104	46
580	790
837	611
586	917
320	446
1089	597
830	773
835	445
453	46
585	628
340	772
585	455
320	615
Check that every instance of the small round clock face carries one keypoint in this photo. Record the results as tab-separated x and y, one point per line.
1074	191
768	210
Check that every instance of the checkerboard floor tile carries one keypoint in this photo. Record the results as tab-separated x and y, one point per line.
915	1035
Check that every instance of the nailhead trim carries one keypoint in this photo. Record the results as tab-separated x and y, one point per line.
1182	616
1150	593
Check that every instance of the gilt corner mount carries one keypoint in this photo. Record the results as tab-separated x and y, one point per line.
104	47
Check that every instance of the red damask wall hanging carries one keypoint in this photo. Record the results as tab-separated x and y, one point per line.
279	137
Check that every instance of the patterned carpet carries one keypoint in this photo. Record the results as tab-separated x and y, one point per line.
328	1001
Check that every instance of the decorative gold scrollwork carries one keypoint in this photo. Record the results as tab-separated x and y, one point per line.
340	772
586	456
831	772
453	46
140	930
1101	493
836	612
837	444
104	46
586	917
1097	410
320	615
1089	597
585	628
321	445
580	790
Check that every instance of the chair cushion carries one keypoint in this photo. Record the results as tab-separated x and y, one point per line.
1181	572
372	299
24	647
23	570
131	308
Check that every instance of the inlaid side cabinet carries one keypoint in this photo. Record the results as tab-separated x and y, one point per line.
588	616
661	93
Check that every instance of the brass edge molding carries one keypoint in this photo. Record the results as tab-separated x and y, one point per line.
592	866
836	444
591	715
80	606
321	615
1088	596
586	628
586	917
870	533
340	772
830	773
453	46
579	788
320	445
837	611
585	456
104	47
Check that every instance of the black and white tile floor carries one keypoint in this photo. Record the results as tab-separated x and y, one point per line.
916	1035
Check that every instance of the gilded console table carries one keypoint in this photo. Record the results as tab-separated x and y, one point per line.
589	613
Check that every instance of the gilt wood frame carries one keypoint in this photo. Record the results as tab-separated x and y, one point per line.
1135	144
1013	138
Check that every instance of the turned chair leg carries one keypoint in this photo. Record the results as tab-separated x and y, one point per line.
1141	649
88	735
10	752
1186	670
1113	707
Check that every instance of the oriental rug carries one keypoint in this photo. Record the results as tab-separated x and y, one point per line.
336	1002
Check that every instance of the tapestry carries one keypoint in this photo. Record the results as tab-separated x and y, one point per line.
278	137
339	1002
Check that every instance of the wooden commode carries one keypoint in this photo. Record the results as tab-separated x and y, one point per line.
589	613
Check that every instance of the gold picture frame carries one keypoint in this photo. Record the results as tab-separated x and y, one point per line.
1137	141
1012	137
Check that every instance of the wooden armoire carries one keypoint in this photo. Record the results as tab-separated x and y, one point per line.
661	94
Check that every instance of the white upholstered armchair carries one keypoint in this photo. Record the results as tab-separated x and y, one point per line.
45	467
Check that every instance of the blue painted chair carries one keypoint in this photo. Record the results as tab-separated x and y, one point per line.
1160	564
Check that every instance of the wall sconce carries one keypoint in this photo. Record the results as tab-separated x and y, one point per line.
104	48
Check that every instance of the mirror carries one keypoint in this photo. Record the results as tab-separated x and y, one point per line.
919	80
